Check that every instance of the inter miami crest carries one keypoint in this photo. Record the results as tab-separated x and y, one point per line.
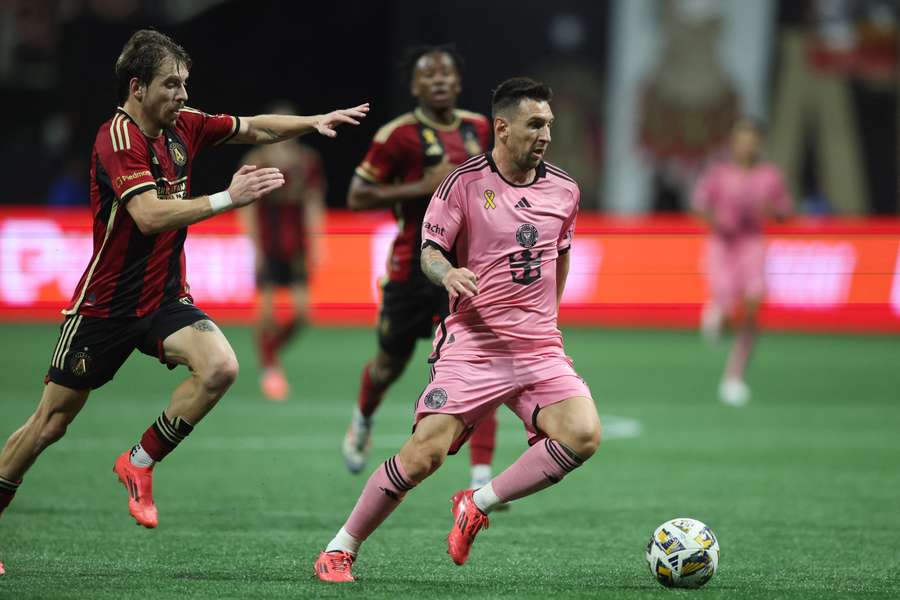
525	266
179	154
436	398
527	235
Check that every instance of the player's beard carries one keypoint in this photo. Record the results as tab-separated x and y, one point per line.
170	115
531	159
526	164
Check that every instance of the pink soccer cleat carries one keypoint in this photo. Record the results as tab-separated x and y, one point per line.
139	483
274	385
468	520
335	566
2	569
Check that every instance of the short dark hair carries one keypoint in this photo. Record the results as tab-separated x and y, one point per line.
514	90
414	53
142	56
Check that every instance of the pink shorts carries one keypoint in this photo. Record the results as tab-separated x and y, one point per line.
472	388
736	270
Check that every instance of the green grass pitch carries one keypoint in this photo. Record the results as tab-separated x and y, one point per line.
801	486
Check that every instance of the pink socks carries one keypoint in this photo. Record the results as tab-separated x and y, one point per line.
383	492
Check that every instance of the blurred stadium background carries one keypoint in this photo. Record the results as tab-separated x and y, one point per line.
801	486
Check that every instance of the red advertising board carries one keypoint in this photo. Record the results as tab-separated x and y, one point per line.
828	274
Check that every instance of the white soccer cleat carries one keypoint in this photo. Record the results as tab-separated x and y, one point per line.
711	320
734	392
357	443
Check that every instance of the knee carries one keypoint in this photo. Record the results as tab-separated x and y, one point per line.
584	440
422	460
385	372
220	373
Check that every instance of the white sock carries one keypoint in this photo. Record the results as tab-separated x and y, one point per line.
343	542
481	475
140	458
359	421
485	498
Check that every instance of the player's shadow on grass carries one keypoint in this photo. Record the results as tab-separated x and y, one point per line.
465	584
57	510
263	576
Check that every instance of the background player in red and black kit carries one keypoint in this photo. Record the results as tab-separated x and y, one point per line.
134	294
282	226
407	160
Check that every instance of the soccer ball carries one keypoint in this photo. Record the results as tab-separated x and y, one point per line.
683	553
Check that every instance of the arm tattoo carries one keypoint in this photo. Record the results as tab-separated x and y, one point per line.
271	135
434	265
204	325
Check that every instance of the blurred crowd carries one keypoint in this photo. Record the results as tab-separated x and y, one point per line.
646	90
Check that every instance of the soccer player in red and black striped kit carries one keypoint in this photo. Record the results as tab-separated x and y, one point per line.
134	293
407	160
282	227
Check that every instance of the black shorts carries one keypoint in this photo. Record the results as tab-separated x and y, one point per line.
277	271
91	349
409	312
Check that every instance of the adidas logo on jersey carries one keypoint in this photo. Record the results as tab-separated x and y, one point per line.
523	203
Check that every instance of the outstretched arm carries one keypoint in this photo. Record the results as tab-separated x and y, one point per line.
153	215
457	281
268	129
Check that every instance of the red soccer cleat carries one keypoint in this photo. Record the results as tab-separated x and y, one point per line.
139	483
274	385
468	520
335	566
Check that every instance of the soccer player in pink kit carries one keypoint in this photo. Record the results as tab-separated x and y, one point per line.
508	217
735	198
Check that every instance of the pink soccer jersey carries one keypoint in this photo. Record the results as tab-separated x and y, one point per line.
738	200
509	236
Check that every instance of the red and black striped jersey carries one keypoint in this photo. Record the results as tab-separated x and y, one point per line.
400	153
281	215
131	274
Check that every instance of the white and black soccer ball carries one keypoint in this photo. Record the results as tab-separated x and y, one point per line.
683	553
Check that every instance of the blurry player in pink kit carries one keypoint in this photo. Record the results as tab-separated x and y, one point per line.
735	198
506	218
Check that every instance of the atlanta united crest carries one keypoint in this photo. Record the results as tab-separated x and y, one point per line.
436	398
80	364
527	235
179	154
